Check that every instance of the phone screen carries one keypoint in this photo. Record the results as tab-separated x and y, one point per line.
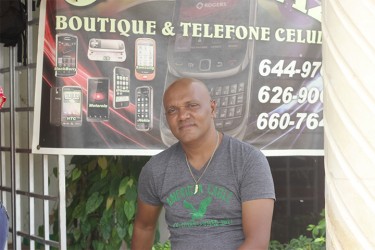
71	110
145	59
143	119
66	58
204	56
97	99
121	87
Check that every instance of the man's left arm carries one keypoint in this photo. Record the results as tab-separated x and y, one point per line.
256	222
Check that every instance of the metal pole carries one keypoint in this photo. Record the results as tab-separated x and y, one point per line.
12	144
62	203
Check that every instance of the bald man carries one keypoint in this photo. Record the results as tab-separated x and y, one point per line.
217	191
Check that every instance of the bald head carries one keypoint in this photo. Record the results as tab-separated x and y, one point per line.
189	110
184	83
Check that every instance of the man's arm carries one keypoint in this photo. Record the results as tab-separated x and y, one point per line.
256	222
144	226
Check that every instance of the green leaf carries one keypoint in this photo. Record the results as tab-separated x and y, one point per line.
55	172
130	231
109	203
76	174
120	213
105	226
92	165
93	202
123	185
114	186
86	228
104	173
121	231
79	210
76	234
98	245
102	161
131	193
129	209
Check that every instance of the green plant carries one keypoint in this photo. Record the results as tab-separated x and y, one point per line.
101	201
162	246
315	242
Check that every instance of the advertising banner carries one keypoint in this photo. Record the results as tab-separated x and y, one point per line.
103	66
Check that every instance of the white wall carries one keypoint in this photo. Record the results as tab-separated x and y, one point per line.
349	113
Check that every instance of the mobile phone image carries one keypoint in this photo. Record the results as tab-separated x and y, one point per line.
66	55
55	106
143	103
71	106
145	59
121	87
210	57
97	99
224	65
106	50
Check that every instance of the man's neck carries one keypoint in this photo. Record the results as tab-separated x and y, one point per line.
198	153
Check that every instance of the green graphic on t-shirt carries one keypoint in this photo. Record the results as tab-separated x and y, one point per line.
187	197
198	214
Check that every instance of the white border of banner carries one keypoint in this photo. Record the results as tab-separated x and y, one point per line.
98	151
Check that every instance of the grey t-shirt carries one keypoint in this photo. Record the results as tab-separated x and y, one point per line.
211	218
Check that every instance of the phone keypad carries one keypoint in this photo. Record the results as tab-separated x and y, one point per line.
230	105
143	108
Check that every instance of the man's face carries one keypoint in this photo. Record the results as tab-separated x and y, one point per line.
189	111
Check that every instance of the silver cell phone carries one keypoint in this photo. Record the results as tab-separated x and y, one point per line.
71	106
144	110
145	59
106	50
121	87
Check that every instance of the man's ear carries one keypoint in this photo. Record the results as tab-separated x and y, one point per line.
213	108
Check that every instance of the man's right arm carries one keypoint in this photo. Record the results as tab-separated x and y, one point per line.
145	226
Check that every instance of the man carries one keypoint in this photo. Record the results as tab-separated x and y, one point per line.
217	191
4	220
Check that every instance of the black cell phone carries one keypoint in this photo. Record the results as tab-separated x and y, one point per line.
207	58
224	65
121	87
55	106
145	59
66	55
143	103
97	99
71	109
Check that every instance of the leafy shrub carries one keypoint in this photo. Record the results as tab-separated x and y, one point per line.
317	240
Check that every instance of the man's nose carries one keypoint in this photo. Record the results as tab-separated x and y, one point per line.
183	113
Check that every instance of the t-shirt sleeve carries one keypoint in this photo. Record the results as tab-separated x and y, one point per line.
257	182
147	188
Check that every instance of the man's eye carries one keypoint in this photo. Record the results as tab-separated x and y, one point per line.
171	111
193	105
